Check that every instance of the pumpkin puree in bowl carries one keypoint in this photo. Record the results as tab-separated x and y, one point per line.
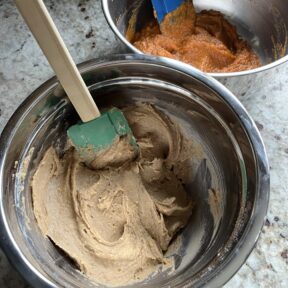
207	41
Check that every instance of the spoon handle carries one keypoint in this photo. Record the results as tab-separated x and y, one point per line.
45	32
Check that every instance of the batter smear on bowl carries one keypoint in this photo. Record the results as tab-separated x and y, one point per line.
116	222
208	42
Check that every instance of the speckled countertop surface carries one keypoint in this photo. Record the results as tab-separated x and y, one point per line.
23	68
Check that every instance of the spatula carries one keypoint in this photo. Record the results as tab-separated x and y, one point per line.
176	18
164	7
96	132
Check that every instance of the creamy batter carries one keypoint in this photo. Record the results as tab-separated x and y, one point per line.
205	40
117	222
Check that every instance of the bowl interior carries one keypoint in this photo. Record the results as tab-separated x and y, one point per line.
224	162
263	23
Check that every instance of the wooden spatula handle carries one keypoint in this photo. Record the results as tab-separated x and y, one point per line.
44	30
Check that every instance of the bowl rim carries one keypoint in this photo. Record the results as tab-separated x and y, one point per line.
133	49
253	228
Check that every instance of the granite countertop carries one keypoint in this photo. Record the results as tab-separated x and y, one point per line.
87	35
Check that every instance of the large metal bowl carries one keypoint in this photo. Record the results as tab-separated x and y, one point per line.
233	161
263	23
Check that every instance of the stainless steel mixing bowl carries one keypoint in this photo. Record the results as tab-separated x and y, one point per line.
263	23
216	241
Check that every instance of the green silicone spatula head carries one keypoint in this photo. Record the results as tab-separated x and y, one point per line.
96	132
99	134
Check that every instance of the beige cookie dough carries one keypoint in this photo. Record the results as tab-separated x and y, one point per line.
117	222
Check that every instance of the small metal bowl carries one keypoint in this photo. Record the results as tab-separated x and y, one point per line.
263	23
233	161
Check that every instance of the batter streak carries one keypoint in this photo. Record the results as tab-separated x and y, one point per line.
117	222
